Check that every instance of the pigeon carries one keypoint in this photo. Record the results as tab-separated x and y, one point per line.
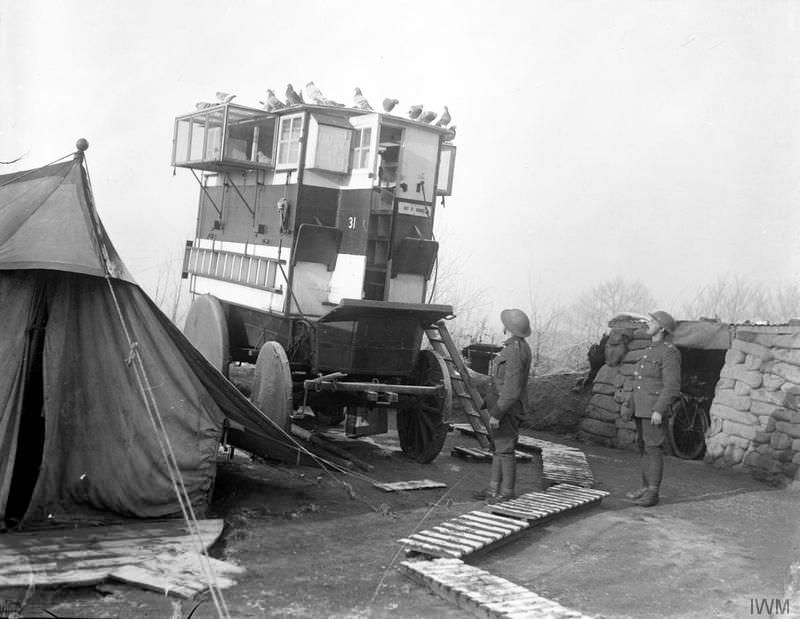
445	119
224	97
427	117
202	105
292	98
360	101
314	94
388	104
414	111
451	134
273	103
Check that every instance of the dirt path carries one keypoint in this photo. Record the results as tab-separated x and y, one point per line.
314	547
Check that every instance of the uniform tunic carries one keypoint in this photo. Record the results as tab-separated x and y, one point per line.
656	386
510	373
656	380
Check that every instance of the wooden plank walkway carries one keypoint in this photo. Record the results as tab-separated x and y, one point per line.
560	463
481	530
413	484
538	507
159	555
481	593
463	535
481	454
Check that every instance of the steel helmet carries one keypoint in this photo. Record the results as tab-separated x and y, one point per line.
516	321
664	320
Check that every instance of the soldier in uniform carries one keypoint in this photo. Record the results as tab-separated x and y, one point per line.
656	386
507	404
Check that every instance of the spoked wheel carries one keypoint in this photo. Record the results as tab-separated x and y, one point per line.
420	424
206	328
687	429
272	385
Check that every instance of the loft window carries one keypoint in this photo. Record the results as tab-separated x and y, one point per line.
361	151
289	141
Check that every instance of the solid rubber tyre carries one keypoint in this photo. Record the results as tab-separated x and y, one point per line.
272	385
206	327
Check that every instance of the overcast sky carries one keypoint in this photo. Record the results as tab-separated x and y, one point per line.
654	140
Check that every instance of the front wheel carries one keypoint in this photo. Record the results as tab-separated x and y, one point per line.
687	428
420	424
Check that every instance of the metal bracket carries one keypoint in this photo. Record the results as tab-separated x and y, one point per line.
208	195
244	200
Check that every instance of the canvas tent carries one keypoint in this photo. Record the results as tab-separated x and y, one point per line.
76	439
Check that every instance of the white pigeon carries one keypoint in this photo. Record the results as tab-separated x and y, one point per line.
224	97
360	101
312	94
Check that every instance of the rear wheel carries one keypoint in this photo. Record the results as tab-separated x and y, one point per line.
272	385
687	428
206	327
420	424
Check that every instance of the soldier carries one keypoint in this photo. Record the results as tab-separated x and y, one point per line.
656	386
507	404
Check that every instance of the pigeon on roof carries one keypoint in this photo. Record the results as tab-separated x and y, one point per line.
360	101
224	97
202	105
292	98
273	103
427	117
312	94
414	111
388	104
444	119
451	134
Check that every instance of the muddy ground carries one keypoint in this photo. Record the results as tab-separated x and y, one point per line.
320	544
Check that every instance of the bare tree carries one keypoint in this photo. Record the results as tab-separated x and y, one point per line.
470	303
785	302
730	299
590	314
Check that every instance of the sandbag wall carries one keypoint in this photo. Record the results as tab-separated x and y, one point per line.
601	422
755	416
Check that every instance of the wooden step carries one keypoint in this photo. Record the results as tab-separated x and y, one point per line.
481	593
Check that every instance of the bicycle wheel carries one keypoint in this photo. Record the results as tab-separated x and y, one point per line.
687	429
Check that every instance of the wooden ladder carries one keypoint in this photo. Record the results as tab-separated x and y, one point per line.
464	390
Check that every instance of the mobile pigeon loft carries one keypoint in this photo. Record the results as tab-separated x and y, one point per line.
312	257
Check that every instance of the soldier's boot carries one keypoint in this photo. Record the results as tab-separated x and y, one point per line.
491	491
639	493
655	472
508	465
